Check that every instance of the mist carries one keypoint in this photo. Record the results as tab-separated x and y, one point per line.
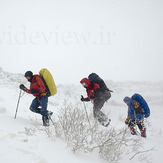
119	40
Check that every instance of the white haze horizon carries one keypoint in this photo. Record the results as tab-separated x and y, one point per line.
119	40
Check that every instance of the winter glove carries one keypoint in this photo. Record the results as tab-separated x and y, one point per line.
84	99
22	87
33	91
127	120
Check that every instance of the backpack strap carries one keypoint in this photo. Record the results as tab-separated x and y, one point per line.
47	89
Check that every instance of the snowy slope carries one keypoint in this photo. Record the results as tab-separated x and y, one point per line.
21	145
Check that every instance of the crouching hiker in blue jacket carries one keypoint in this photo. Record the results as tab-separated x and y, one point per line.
137	110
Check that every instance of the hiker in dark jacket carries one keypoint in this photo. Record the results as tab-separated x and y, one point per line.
98	98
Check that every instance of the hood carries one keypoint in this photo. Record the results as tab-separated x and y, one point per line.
86	81
127	100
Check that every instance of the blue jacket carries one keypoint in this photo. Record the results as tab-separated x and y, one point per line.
132	112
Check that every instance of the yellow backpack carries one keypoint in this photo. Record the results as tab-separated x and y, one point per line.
48	81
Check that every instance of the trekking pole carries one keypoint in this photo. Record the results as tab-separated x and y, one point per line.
17	104
86	113
51	120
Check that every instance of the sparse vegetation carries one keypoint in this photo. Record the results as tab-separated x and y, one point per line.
72	127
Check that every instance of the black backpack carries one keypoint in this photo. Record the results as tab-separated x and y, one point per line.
95	79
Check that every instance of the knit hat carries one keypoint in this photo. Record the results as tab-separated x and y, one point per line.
28	74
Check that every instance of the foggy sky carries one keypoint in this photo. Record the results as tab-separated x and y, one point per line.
120	40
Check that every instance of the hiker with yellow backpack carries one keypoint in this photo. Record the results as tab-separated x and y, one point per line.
42	86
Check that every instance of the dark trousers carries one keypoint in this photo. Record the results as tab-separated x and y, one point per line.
42	103
99	115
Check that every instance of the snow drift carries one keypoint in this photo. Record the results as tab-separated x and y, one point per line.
25	140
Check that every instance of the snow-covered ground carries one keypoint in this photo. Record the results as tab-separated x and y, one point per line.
119	40
20	145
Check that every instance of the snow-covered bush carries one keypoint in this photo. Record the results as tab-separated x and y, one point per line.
110	143
72	126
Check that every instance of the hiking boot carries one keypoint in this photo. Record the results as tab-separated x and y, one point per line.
143	133
133	131
106	123
45	120
49	114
